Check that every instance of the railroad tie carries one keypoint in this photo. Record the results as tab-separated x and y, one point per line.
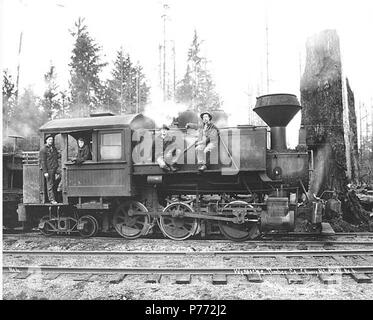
219	279
254	277
361	277
116	278
183	279
153	278
83	277
328	278
341	260
51	276
22	275
368	259
294	278
282	259
302	247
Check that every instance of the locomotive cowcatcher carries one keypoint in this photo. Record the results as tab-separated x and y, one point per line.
247	190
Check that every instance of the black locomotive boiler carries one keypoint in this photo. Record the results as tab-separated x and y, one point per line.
248	189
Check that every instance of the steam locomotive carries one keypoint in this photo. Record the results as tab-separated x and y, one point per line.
247	190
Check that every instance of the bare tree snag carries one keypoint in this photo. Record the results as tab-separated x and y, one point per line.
328	127
355	174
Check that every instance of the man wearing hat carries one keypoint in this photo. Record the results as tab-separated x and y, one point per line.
48	158
207	138
166	152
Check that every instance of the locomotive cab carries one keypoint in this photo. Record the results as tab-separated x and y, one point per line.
93	184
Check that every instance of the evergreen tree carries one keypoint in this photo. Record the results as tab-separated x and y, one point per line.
9	94
51	102
65	103
126	84
197	88
85	84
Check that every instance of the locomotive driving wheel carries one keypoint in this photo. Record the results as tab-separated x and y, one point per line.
46	226
176	226
128	223
238	231
87	226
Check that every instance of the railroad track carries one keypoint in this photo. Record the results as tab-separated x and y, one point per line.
294	274
252	253
219	276
214	238
168	270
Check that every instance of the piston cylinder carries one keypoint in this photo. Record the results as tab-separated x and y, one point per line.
277	216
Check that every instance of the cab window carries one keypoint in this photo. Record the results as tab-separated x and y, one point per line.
72	143
110	146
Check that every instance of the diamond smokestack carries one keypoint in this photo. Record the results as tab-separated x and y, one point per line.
277	110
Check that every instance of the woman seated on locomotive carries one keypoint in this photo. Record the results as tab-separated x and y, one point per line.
83	152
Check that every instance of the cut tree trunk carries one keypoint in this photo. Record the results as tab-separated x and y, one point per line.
353	135
322	116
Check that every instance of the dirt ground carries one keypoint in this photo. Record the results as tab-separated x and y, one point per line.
134	287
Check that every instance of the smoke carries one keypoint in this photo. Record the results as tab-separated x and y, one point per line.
238	115
18	129
27	137
82	110
163	112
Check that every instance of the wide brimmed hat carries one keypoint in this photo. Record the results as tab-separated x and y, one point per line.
206	112
165	127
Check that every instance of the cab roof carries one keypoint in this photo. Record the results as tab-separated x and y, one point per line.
134	121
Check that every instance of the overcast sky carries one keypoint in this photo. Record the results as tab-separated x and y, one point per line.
233	32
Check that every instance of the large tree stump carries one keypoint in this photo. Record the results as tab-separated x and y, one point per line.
322	116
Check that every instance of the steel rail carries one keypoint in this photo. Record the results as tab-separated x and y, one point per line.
209	271
254	253
208	241
117	237
272	235
315	234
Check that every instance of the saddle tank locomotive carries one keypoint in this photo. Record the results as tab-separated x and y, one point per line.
248	189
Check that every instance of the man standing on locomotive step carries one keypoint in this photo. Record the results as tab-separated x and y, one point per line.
207	138
48	157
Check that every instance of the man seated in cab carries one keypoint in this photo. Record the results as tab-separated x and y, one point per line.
166	150
208	135
83	152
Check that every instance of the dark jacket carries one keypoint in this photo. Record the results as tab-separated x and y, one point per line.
48	158
83	154
207	134
162	144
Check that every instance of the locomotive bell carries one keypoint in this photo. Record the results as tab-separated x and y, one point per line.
277	110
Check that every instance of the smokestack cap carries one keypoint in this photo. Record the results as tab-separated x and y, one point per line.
277	109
